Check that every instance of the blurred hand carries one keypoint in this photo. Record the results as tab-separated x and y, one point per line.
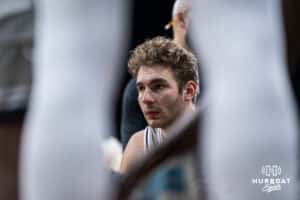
180	26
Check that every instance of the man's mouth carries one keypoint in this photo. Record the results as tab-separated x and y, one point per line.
152	114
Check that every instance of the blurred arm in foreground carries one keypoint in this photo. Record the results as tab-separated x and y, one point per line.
78	44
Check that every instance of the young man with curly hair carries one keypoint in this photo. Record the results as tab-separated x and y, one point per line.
167	82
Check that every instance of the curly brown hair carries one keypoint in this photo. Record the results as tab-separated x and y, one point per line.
165	52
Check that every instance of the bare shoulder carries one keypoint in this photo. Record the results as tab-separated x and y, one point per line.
133	151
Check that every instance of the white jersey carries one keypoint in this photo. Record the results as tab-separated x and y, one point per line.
152	138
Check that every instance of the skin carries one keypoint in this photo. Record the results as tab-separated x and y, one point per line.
159	96
180	26
161	102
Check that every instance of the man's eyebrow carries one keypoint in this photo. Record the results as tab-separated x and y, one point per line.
158	80
153	81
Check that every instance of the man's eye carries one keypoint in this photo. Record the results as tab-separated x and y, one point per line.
140	88
158	87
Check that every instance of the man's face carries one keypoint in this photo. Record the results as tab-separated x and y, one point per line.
159	96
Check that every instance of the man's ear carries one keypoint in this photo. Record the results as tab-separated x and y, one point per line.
189	91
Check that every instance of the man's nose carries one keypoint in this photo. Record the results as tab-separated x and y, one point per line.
147	97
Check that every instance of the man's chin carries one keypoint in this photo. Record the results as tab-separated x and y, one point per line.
154	123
